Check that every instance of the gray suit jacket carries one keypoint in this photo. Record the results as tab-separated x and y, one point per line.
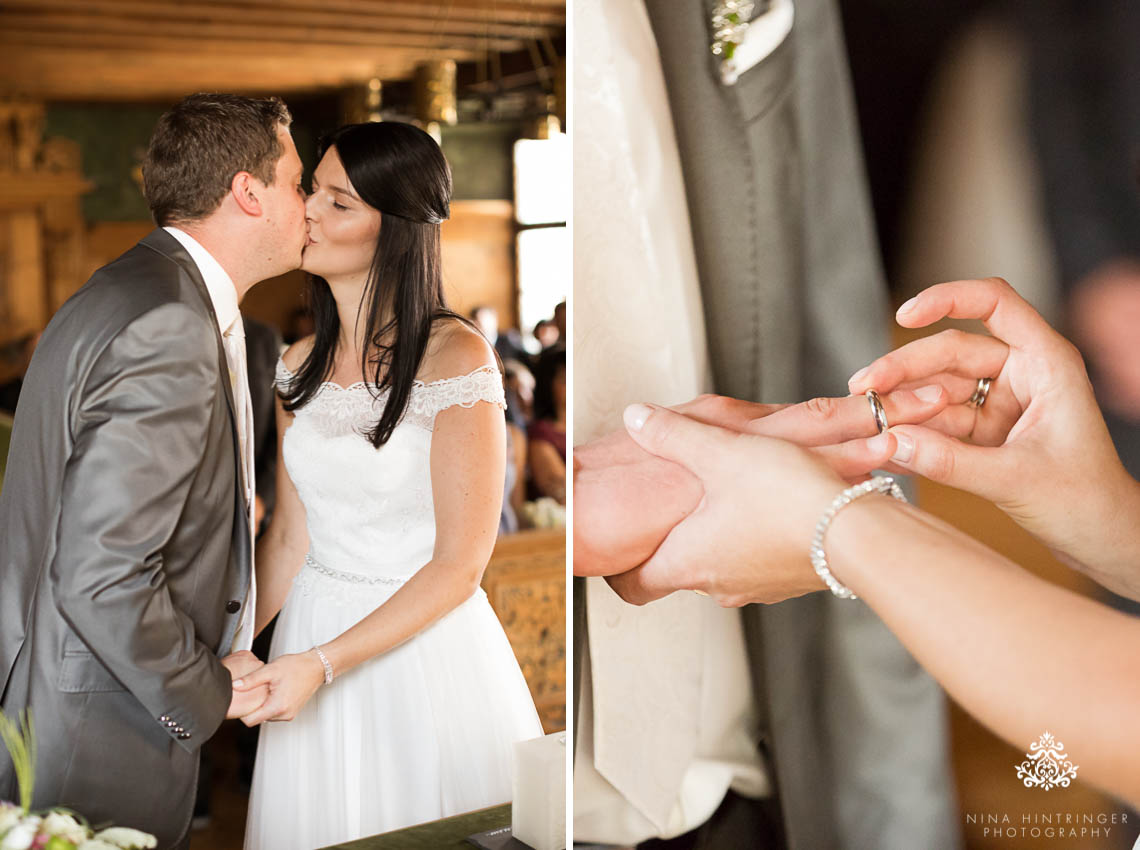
795	302
125	548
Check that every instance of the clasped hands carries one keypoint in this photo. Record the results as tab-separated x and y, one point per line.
721	496
273	691
670	513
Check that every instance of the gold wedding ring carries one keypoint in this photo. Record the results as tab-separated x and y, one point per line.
878	411
980	392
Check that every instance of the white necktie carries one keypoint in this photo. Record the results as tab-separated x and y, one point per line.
645	662
233	341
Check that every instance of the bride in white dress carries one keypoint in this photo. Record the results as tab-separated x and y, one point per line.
389	487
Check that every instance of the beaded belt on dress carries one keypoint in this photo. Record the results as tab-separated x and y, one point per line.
354	578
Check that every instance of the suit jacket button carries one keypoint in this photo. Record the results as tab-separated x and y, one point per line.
184	736
233	606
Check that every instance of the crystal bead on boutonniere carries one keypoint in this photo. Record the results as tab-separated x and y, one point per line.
730	19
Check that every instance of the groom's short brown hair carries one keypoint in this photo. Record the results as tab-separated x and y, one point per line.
201	143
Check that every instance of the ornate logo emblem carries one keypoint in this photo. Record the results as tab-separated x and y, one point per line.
1047	765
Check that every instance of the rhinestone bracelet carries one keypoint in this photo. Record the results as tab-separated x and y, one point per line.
878	484
325	663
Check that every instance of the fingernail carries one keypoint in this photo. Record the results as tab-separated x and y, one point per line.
904	451
860	374
635	416
907	306
879	442
929	394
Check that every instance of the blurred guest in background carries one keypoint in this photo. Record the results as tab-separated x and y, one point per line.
514	482
520	392
547	432
546	332
1084	120
507	342
560	319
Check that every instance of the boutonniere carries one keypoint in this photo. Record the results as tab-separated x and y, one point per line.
730	19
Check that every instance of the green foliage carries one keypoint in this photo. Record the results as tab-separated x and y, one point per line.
19	738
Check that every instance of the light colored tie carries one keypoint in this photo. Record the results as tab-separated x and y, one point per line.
233	341
639	336
646	669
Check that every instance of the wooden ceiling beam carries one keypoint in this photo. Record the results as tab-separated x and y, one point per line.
528	12
553	11
111	50
136	12
50	79
152	53
17	26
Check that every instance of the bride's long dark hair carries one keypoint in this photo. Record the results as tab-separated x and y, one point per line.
400	171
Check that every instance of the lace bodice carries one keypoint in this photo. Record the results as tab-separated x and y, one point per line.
369	511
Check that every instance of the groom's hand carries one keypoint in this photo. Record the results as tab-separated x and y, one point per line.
241	663
243	702
626	500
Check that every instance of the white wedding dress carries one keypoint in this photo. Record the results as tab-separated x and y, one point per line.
423	731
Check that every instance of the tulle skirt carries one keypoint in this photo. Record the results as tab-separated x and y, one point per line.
419	733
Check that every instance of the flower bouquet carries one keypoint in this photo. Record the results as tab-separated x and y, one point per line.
53	829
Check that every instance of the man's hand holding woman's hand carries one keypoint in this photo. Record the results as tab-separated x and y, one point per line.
275	691
748	539
286	683
243	702
627	501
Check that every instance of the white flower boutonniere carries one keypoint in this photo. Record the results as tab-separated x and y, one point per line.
742	39
730	20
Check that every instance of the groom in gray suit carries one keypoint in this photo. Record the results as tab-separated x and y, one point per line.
851	732
126	552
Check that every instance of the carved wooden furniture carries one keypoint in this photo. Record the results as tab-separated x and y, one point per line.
526	585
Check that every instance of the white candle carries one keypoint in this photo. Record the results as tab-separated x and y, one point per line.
538	811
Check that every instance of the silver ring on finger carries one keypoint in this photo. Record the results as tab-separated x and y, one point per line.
878	411
981	392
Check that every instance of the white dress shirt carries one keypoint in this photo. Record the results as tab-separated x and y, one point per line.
666	719
223	296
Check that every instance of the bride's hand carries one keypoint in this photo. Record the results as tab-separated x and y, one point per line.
626	500
748	540
291	681
1038	447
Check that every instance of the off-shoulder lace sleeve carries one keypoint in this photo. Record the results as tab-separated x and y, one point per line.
484	384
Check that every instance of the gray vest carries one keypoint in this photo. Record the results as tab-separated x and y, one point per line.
795	302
